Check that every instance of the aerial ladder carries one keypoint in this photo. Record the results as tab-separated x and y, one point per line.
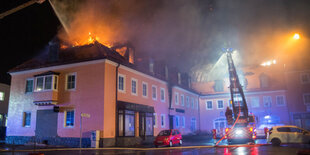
242	125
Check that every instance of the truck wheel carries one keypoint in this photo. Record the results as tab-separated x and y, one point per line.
181	142
170	144
275	142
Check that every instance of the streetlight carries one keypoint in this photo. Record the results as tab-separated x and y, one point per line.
296	36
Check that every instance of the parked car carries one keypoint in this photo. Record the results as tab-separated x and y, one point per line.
288	134
168	138
260	131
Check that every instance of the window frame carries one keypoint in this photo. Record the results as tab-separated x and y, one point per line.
284	101
136	86
162	94
163	120
269	104
182	100
124	83
207	108
53	82
66	116
304	99
75	81
155	120
301	78
154	92
25	119
29	79
146	89
176	98
217	103
188	102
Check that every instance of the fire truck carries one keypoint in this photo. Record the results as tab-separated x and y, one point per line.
241	123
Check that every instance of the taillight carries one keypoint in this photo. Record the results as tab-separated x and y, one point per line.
251	129
254	136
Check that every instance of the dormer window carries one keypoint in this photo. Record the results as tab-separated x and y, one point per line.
46	81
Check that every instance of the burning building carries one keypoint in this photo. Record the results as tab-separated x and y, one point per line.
128	101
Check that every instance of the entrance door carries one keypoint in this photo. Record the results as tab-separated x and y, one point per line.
170	121
46	124
142	124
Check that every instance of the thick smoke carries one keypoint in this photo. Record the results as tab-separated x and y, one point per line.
188	34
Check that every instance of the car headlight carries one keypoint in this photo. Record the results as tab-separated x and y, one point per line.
239	132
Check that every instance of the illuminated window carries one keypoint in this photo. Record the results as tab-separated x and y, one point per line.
144	89
209	105
162	94
154	92
121	83
69	118
48	82
176	98
29	85
134	86
71	81
1	96
26	119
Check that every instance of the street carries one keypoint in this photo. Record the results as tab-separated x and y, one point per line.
186	150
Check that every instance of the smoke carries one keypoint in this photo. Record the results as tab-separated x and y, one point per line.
186	34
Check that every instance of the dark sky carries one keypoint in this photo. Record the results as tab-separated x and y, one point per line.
190	33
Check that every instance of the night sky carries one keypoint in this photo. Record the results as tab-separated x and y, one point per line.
176	29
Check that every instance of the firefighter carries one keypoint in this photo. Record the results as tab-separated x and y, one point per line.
214	135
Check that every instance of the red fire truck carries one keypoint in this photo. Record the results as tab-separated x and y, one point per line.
241	124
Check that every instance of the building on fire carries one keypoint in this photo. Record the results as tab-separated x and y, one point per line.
129	100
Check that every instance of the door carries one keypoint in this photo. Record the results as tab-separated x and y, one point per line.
142	124
46	124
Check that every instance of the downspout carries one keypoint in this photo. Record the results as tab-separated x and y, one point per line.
116	109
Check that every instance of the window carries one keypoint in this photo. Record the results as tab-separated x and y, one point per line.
187	102
193	124
126	123
306	99
182	100
218	86
284	129
69	118
280	100
182	122
176	98
121	83
192	103
1	96
305	78
149	124
209	105
71	81
43	83
267	101
229	104
29	85
162	94
27	119
255	102
220	104
162	118
155	120
196	104
154	92
264	81
144	89
134	86
177	121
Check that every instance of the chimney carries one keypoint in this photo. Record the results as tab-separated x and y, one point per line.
179	78
151	66
166	73
53	50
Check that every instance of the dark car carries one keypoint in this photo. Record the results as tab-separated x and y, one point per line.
168	138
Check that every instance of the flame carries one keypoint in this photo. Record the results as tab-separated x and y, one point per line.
90	39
